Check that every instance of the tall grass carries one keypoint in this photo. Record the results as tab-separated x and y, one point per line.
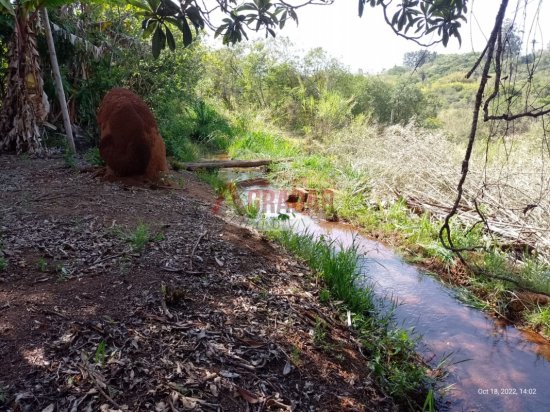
391	351
336	266
191	130
252	144
539	319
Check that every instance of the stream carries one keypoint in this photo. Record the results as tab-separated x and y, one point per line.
493	366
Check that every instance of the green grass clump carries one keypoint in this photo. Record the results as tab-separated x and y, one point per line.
337	268
101	353
252	210
69	159
190	130
212	178
139	237
261	144
535	273
3	263
93	157
312	172
539	319
208	127
42	264
176	128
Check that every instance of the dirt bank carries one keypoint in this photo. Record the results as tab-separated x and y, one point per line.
206	316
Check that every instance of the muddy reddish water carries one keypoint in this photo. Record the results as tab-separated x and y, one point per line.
493	367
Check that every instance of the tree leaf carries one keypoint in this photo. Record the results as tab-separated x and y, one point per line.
136	3
6	5
157	41
219	30
186	30
154	4
194	15
151	26
283	20
170	39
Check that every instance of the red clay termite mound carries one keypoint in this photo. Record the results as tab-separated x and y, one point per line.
130	142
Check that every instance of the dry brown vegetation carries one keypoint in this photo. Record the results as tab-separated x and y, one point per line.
509	180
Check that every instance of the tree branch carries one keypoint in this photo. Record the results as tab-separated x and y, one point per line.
509	117
445	231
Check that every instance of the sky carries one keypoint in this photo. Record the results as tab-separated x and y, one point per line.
368	44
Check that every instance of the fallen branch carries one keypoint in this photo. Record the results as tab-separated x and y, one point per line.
195	248
101	260
219	164
95	381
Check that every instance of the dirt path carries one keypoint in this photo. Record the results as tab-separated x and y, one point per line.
207	316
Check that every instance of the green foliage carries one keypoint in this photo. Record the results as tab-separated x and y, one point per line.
314	171
101	353
332	112
539	319
425	16
42	264
209	128
337	268
3	263
161	15
213	178
93	157
139	237
252	210
175	128
295	356
69	159
320	335
324	295
253	143
535	273
416	59
429	403
314	95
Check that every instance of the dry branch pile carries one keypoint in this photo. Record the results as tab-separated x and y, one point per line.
511	189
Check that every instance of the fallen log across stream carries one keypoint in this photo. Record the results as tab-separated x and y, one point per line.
219	164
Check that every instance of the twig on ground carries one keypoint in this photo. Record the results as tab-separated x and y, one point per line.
203	234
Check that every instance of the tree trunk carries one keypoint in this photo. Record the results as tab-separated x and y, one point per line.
58	82
219	164
23	110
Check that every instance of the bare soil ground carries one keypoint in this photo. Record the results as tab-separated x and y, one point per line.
207	316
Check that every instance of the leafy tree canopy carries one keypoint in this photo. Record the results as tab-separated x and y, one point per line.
511	38
412	19
416	59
